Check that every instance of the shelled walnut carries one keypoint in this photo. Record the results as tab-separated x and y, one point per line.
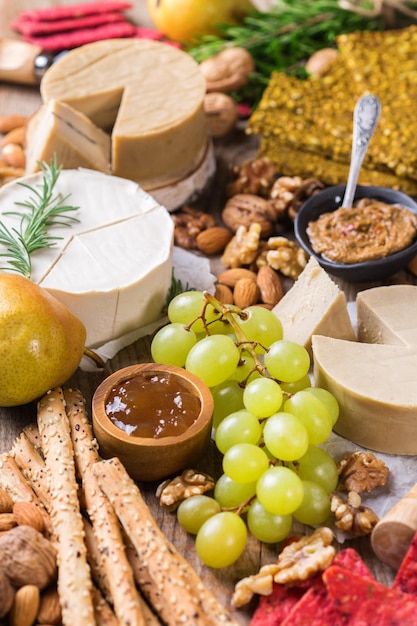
188	224
190	483
255	176
362	471
351	516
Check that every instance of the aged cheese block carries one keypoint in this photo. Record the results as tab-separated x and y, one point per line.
314	305
113	267
58	129
375	383
149	95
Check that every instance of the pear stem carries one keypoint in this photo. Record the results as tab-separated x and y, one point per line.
94	357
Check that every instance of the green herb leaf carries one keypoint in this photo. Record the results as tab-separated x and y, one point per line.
41	211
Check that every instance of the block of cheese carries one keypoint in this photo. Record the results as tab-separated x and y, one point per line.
314	305
58	129
149	95
113	267
375	383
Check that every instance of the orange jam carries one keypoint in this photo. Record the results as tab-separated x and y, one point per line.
152	405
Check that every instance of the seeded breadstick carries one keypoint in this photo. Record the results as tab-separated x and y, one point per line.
74	580
119	575
32	466
102	610
32	433
95	560
13	481
176	591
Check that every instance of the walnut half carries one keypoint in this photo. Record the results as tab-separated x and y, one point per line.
362	471
190	483
351	517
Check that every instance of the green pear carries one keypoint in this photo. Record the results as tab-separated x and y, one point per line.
41	341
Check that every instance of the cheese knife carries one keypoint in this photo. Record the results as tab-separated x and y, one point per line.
24	63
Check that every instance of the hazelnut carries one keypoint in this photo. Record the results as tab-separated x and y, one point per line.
221	113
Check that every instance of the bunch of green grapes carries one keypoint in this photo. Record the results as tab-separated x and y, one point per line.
269	423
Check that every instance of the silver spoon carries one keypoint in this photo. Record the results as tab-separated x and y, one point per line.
365	119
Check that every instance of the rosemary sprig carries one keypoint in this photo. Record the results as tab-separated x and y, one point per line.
283	38
42	210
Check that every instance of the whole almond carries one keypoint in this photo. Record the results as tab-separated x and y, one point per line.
50	608
6	503
231	276
25	606
29	514
9	122
213	240
270	285
246	293
17	136
7	521
224	294
14	155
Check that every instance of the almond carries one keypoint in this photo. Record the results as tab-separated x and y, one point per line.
270	285
50	608
28	514
246	293
7	521
25	606
231	276
6	503
213	240
17	136
14	155
10	122
223	294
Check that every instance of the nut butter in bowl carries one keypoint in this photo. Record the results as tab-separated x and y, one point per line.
155	418
369	241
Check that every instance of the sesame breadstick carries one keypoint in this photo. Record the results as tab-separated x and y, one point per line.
176	591
32	433
13	481
106	526
74	580
32	466
102	610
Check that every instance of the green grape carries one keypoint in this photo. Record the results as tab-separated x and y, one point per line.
266	526
228	398
241	426
246	367
260	325
172	343
245	462
230	494
280	490
296	385
315	507
285	436
313	413
221	539
213	359
195	510
328	400
262	396
185	307
287	361
318	466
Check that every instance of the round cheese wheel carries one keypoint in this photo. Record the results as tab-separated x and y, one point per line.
149	95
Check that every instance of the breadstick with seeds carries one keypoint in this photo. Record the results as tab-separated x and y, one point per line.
177	592
13	481
32	466
106	526
74	580
32	433
102	610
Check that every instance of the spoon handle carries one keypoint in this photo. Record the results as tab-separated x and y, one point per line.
365	119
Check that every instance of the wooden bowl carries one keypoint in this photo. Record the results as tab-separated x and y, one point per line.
153	458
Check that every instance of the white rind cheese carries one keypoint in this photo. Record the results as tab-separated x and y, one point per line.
314	305
57	129
149	95
113	268
375	382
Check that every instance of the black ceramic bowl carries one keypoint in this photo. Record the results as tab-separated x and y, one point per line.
330	199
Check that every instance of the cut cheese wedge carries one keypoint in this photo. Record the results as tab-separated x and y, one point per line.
314	305
113	267
58	129
375	383
149	95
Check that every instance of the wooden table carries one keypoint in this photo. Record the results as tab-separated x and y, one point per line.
238	147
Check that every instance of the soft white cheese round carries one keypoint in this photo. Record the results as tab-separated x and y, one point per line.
113	267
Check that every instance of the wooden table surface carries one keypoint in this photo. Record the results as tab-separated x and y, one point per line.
238	147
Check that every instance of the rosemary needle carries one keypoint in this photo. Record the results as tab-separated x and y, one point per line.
42	210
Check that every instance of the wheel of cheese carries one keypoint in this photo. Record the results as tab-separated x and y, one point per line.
113	266
149	95
374	379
